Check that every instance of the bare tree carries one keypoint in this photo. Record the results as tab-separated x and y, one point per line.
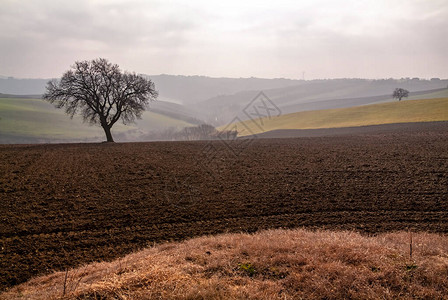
400	93
102	93
206	131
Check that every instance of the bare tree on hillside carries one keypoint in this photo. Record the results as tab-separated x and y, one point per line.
102	93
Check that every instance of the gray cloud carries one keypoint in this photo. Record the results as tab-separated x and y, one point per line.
370	38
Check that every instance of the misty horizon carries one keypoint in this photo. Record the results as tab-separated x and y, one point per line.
3	76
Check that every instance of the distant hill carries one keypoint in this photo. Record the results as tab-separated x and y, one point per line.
193	89
357	101
37	96
173	88
16	86
193	100
177	93
176	111
316	95
383	113
190	90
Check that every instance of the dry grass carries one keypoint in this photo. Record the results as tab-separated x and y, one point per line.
375	114
273	264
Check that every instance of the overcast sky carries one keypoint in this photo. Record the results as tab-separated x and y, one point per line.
231	38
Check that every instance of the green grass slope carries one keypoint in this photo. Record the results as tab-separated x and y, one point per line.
34	120
375	114
443	93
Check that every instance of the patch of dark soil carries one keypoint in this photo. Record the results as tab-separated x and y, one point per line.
64	205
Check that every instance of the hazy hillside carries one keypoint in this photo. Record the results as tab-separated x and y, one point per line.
357	101
176	111
211	97
193	100
383	113
176	93
314	95
18	86
174	88
193	89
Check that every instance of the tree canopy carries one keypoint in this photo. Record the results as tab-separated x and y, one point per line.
101	93
399	93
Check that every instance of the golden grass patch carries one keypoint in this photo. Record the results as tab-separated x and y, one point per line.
273	264
384	113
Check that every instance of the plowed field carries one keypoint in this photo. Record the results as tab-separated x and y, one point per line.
63	205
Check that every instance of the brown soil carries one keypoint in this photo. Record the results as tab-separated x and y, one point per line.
64	205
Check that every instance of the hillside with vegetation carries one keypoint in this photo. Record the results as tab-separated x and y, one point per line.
428	110
36	121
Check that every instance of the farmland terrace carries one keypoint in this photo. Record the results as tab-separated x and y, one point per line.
67	204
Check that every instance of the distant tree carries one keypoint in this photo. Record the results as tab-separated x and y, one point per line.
206	131
200	132
400	93
102	93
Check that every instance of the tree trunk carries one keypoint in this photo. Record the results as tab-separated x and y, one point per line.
108	133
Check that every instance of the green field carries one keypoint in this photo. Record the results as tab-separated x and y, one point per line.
432	95
375	114
34	120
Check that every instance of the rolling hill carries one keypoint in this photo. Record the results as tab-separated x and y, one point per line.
425	110
218	100
317	95
35	121
190	90
192	100
173	88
